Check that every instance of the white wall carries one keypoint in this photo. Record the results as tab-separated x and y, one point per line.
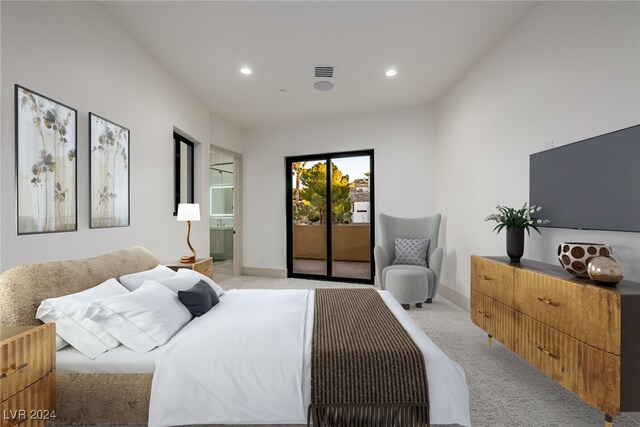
568	71
74	52
225	135
404	171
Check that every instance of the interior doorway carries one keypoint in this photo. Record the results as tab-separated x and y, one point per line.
330	216
224	210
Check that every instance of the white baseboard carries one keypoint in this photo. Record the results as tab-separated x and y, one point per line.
275	273
455	297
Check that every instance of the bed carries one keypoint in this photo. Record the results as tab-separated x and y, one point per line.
229	386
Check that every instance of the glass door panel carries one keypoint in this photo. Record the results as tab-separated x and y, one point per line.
309	217
350	217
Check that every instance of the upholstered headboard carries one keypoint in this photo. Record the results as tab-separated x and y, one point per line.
22	288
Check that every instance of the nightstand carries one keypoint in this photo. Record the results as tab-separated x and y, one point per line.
201	265
27	375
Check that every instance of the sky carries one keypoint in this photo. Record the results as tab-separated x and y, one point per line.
355	167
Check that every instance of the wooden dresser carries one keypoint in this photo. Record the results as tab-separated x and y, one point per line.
201	265
27	375
584	336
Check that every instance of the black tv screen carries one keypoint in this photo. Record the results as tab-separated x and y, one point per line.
592	184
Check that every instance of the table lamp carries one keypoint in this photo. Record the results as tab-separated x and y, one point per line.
189	212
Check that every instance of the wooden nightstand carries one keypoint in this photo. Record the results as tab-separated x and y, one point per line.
27	375
201	265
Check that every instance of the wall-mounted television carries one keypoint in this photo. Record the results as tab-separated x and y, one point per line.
592	184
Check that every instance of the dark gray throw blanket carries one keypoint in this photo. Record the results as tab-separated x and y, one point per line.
365	368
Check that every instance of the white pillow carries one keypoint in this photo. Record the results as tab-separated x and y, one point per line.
143	319
60	343
185	279
134	280
67	312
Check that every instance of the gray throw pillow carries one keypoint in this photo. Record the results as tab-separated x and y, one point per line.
199	299
411	251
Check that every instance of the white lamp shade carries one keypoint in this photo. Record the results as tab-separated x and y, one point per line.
188	212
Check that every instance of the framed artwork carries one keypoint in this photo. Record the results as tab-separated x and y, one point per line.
46	164
109	173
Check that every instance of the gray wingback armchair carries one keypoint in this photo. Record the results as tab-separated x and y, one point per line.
409	283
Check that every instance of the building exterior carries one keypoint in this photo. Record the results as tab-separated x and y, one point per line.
360	205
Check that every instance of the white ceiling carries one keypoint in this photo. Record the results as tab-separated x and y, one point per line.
204	44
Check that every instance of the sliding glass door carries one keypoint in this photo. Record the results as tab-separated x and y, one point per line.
330	216
351	227
309	226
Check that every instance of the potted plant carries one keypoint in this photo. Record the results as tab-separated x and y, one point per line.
516	221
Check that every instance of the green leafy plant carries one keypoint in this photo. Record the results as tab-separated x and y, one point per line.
309	195
517	218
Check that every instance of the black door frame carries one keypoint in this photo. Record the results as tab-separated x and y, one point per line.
327	157
177	140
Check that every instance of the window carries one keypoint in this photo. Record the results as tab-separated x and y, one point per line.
183	171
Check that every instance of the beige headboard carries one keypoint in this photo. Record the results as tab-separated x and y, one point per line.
22	288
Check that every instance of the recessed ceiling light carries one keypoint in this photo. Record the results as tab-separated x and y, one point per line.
391	72
246	71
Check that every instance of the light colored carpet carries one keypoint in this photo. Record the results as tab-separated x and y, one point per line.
224	266
504	390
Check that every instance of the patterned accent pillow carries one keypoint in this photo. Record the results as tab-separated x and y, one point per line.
411	251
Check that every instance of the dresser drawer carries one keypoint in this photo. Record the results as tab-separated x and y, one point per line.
592	374
587	313
493	279
500	322
478	311
495	318
25	359
33	406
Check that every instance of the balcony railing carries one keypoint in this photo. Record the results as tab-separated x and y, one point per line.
350	242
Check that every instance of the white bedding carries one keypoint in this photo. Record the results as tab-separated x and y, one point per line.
247	361
120	360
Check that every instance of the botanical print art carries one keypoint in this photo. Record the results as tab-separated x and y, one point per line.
109	173
46	157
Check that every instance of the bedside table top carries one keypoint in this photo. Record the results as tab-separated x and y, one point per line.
12	331
187	264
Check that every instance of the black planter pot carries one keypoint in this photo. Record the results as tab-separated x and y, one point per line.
515	244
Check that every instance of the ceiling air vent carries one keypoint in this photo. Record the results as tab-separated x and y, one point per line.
324	71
